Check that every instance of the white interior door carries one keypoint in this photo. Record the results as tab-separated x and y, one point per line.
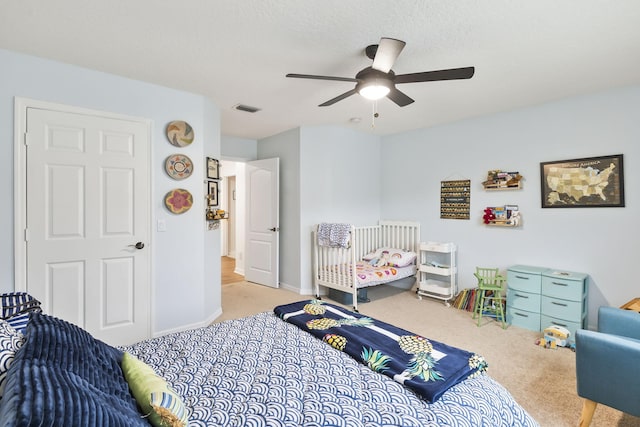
262	219
87	220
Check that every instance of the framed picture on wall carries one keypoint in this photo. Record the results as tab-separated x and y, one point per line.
583	183
212	193
213	168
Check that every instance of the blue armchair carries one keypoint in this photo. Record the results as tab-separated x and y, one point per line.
608	363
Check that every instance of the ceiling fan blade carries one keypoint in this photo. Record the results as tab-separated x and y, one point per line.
338	98
387	53
431	76
311	76
399	98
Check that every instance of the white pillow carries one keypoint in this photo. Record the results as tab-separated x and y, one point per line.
401	258
397	257
10	342
371	255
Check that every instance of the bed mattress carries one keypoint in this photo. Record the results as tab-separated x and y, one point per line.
262	371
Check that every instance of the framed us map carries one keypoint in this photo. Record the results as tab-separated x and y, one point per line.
583	183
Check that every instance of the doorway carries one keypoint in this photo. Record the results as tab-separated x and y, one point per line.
228	266
230	201
262	177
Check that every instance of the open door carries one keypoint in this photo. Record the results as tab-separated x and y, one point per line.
262	222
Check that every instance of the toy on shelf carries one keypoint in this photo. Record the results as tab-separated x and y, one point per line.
504	216
500	180
488	215
515	218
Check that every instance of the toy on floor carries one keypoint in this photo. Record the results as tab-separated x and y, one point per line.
554	337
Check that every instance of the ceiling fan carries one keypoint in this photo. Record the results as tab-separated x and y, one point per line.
378	80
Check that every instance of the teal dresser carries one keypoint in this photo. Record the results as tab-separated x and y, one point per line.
564	300
538	297
524	290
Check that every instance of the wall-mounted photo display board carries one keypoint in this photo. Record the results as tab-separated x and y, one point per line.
455	199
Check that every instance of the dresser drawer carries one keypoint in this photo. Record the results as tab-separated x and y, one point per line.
524	281
561	308
564	288
546	321
523	300
523	319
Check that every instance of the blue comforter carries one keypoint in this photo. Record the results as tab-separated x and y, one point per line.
427	367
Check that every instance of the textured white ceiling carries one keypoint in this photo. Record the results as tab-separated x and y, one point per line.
525	52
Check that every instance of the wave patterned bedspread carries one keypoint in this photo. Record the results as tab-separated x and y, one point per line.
261	371
427	367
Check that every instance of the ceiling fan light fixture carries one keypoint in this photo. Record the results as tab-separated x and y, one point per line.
379	80
374	90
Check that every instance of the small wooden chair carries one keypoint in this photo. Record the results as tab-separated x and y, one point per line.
490	299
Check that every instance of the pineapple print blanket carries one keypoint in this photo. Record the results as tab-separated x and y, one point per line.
427	367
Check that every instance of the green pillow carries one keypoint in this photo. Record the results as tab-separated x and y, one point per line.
157	400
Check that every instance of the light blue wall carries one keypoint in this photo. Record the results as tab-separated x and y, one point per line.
182	295
340	182
599	241
238	149
210	286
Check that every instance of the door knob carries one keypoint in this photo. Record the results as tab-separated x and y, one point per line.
274	229
139	245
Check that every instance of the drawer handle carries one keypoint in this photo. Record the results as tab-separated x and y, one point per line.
522	277
558	303
559	324
560	283
522	296
520	314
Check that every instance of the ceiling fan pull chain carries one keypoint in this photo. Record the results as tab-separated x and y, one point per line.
374	106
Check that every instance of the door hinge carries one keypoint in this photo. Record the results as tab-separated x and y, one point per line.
26	234
26	139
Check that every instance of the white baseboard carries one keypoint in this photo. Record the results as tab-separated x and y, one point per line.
304	291
205	322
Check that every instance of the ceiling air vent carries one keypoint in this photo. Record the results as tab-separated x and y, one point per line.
247	108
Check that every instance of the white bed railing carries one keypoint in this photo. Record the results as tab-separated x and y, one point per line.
334	267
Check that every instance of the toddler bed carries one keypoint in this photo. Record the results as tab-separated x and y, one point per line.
260	370
356	249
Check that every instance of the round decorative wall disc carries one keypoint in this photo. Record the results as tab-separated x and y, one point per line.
178	166
178	200
180	133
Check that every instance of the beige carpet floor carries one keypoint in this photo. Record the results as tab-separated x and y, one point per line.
542	380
